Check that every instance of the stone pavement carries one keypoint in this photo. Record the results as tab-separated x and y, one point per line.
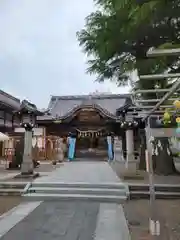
89	172
69	220
4	176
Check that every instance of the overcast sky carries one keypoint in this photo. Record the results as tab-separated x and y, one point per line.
39	52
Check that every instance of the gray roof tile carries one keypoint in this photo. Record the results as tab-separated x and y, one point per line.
61	106
9	100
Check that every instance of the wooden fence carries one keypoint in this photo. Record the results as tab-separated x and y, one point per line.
43	148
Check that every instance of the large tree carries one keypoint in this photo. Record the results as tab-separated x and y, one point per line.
117	36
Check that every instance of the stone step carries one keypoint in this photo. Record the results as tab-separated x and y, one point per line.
70	197
12	185
78	190
158	195
80	185
10	192
158	187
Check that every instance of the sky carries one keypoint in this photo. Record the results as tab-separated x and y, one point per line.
39	52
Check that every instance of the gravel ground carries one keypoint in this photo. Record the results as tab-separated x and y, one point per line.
6	203
42	169
137	214
122	172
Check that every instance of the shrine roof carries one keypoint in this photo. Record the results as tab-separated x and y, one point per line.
64	106
8	100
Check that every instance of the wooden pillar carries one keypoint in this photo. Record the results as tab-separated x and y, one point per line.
124	144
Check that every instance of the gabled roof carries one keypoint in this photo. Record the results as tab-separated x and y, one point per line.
8	100
62	107
28	107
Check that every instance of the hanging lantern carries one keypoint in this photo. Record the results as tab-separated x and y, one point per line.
122	125
130	124
176	104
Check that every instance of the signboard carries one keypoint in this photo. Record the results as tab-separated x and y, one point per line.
88	116
117	144
163	132
129	118
117	149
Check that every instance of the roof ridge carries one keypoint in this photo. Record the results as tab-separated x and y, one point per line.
93	96
95	105
9	96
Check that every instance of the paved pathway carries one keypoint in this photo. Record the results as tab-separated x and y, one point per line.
90	172
4	176
69	220
65	221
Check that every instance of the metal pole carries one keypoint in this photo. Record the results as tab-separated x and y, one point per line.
159	76
163	52
154	224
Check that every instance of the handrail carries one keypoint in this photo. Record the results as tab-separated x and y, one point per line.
163	52
175	86
159	76
160	90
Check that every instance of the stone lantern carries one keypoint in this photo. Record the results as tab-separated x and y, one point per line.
27	115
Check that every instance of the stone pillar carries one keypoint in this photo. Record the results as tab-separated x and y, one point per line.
130	145
27	164
61	150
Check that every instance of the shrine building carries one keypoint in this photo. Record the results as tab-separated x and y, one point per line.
89	119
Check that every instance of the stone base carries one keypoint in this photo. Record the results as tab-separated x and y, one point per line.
27	166
27	175
14	168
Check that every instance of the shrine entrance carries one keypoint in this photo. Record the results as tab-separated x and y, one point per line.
91	144
90	128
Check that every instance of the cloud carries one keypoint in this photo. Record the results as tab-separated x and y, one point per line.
39	52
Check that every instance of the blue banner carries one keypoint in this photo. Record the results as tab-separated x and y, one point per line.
71	149
110	147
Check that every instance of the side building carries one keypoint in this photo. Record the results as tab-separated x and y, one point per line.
8	104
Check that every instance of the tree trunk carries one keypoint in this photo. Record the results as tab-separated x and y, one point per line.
163	158
144	69
124	144
142	162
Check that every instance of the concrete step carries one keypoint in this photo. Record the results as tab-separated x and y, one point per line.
158	195
70	197
12	185
79	185
10	192
158	187
78	190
